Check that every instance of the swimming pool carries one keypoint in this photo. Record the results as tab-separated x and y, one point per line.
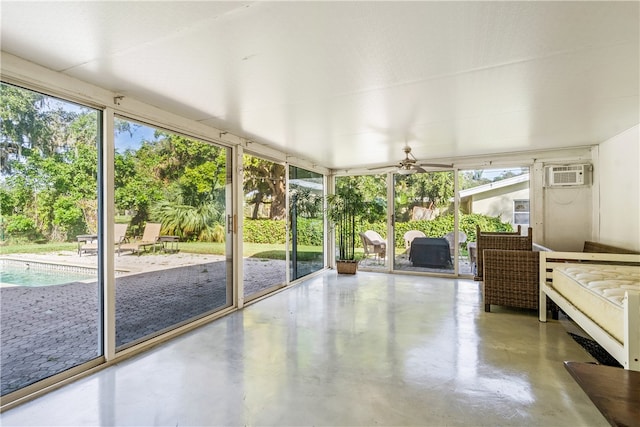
37	274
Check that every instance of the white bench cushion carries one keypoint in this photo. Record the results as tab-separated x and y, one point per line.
597	291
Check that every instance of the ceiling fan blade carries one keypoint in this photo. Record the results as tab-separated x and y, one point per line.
437	165
382	167
410	165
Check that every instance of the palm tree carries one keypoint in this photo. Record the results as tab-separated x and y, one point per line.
203	222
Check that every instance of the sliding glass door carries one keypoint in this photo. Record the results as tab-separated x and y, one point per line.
172	226
50	295
424	222
265	229
372	238
306	193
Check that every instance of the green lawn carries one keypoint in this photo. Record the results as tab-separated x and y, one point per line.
250	249
35	248
257	250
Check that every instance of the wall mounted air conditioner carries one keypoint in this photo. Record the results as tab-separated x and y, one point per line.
568	175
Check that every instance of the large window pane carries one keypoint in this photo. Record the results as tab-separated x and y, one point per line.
496	200
372	220
50	313
306	192
264	230
424	222
172	198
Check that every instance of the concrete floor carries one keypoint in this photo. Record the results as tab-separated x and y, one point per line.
370	349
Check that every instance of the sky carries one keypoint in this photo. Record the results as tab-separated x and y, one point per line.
125	141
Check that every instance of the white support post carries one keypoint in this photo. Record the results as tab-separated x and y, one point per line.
287	216
456	224
329	235
542	305
107	197
631	304
391	219
236	223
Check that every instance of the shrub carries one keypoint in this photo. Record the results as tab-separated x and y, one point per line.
443	224
212	233
264	231
68	217
468	224
21	227
20	224
310	230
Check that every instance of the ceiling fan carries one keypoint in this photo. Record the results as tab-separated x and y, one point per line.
409	165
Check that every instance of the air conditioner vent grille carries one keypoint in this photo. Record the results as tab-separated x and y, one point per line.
567	175
564	177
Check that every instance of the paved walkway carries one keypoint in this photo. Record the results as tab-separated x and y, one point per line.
46	330
402	263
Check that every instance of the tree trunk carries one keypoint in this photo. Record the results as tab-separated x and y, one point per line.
278	204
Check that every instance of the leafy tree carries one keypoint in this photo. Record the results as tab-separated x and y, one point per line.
430	190
48	151
472	178
374	194
264	183
200	184
308	203
475	178
24	125
7	202
177	181
49	162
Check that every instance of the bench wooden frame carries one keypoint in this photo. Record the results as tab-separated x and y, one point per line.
627	352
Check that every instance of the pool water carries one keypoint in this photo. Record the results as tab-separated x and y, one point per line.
25	276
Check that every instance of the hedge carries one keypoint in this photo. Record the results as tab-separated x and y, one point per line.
264	231
310	231
443	224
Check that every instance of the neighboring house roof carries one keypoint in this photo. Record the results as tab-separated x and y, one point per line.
307	184
494	185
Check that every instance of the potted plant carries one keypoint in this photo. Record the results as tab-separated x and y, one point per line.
342	209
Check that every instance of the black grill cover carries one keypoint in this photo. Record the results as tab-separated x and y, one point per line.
430	252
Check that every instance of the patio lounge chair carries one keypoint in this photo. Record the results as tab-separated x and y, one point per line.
450	238
150	238
91	241
374	244
410	235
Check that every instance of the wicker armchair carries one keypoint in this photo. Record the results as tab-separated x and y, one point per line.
518	232
505	241
511	278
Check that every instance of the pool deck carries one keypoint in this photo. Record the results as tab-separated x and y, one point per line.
124	264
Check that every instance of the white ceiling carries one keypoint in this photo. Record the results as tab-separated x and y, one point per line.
345	84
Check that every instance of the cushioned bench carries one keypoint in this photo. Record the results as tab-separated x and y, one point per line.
601	293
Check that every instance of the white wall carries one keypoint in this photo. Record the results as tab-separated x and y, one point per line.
619	190
567	217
